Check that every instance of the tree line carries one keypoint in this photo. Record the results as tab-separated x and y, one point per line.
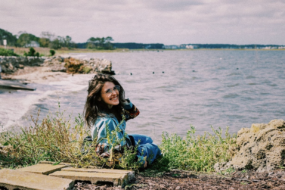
50	40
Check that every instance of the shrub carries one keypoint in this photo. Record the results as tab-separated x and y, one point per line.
84	69
7	52
32	52
52	52
198	153
53	140
58	140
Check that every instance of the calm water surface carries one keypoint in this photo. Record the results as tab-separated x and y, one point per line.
173	90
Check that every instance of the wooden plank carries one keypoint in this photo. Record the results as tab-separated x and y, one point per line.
13	179
42	168
116	179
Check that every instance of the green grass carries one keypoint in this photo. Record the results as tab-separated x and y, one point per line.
60	140
194	152
57	139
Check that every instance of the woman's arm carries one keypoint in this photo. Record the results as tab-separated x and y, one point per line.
131	111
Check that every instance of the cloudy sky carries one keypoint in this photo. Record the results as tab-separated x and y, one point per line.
150	21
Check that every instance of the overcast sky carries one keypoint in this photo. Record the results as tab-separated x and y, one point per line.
150	21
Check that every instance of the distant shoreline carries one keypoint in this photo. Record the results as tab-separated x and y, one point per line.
65	51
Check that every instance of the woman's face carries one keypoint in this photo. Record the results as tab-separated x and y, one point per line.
110	94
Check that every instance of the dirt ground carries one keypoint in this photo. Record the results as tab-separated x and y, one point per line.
180	180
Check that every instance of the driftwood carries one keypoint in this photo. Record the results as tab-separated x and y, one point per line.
6	84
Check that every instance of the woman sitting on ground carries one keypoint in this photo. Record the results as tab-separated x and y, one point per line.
106	106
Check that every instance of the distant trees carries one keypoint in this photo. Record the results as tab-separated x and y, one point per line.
61	41
11	39
50	40
55	42
46	38
100	43
25	39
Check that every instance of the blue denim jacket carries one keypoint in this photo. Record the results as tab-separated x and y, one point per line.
99	130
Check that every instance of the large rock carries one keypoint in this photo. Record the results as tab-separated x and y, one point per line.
10	64
57	64
104	66
84	66
73	65
261	147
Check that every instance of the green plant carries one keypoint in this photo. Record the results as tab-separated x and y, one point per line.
228	171
7	52
198	153
52	52
54	139
244	171
32	52
86	70
57	139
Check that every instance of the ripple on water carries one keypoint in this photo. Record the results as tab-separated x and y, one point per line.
250	77
234	74
230	95
233	85
252	83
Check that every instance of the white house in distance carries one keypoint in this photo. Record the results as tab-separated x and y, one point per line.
33	44
170	47
187	46
190	46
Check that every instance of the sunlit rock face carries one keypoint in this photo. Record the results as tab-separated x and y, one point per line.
72	65
261	147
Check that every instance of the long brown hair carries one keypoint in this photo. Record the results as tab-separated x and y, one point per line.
93	107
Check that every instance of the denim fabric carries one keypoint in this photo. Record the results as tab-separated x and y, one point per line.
99	130
147	150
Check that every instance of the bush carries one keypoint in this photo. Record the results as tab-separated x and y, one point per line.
198	153
32	52
58	140
53	140
84	70
7	52
52	52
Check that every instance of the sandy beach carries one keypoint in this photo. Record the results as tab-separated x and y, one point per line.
40	75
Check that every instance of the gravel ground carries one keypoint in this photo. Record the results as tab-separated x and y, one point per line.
180	180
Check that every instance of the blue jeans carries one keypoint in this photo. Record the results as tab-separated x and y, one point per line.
146	148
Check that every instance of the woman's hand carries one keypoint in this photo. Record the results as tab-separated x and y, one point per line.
145	164
126	103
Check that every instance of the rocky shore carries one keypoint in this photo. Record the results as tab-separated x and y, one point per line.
45	69
261	148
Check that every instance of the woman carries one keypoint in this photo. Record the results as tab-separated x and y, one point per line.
106	108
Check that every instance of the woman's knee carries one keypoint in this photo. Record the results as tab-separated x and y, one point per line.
142	139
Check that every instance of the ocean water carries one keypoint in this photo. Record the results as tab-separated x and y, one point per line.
172	89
